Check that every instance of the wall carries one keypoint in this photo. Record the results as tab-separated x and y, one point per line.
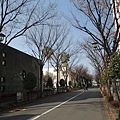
12	65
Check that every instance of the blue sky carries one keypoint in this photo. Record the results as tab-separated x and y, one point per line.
63	7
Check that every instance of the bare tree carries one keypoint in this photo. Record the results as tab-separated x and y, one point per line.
98	22
101	23
99	61
81	74
61	46
42	41
17	16
95	55
72	58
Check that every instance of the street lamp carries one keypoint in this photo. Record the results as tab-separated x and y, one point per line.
1	37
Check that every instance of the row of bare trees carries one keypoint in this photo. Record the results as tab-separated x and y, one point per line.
47	38
81	74
102	26
35	21
49	43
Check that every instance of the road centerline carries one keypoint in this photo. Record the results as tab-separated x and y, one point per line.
38	116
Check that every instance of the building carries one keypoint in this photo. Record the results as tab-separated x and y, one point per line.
14	65
53	73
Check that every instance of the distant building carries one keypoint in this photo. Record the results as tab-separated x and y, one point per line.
53	73
14	65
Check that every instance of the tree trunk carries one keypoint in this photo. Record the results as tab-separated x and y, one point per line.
41	80
57	79
108	87
115	91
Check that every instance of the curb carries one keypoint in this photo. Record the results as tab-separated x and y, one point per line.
112	114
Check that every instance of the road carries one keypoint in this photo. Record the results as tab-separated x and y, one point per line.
78	105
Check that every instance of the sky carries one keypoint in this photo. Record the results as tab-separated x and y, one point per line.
63	7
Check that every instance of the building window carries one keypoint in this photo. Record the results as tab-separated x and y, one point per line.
4	54
4	63
2	79
2	88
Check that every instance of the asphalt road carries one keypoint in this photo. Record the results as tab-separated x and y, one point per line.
78	105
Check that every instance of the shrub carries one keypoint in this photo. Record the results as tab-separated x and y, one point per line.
115	104
62	82
30	81
49	82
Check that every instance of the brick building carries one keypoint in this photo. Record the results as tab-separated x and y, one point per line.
14	65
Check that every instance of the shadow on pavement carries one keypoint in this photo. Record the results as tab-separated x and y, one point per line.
17	117
93	92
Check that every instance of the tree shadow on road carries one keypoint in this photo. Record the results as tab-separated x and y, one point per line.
18	117
93	94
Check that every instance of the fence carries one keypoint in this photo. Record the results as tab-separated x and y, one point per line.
13	100
21	98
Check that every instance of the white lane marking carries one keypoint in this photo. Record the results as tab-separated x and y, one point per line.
38	116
